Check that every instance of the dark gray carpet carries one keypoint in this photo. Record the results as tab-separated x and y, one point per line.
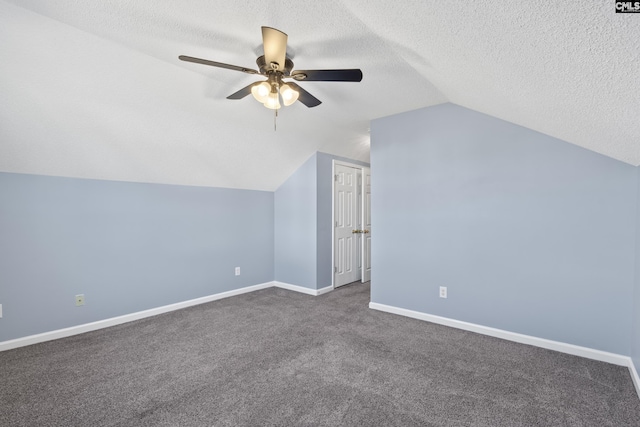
276	357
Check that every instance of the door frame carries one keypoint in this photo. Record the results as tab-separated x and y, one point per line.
333	215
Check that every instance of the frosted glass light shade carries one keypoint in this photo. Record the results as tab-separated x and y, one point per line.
272	102
289	96
261	92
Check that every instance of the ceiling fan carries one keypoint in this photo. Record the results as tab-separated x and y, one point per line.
276	67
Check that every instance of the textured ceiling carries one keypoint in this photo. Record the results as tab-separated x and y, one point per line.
96	90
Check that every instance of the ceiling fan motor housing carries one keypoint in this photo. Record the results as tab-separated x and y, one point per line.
266	68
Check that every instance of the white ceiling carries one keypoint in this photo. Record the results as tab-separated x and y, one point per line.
96	90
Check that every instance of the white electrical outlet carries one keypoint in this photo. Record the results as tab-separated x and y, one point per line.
79	300
443	291
0	311
237	271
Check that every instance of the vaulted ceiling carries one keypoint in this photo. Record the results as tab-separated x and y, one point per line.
96	90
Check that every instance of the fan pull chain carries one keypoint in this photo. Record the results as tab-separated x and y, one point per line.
275	119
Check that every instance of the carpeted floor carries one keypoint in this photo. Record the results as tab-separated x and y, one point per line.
279	358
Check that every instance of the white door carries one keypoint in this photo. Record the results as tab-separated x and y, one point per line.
366	224
346	225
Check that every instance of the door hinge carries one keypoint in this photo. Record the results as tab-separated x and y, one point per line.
335	177
335	269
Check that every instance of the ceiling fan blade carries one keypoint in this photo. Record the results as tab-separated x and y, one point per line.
275	47
243	92
217	64
305	97
351	75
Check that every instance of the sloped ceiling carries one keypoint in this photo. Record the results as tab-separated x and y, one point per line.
96	90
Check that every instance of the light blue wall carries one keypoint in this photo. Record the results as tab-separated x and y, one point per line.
127	246
295	227
530	234
635	341
325	220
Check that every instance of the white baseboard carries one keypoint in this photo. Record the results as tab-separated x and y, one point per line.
88	327
324	290
589	353
302	289
634	376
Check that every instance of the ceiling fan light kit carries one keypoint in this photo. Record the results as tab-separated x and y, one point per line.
275	66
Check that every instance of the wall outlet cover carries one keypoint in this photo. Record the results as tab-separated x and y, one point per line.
79	300
443	291
237	271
